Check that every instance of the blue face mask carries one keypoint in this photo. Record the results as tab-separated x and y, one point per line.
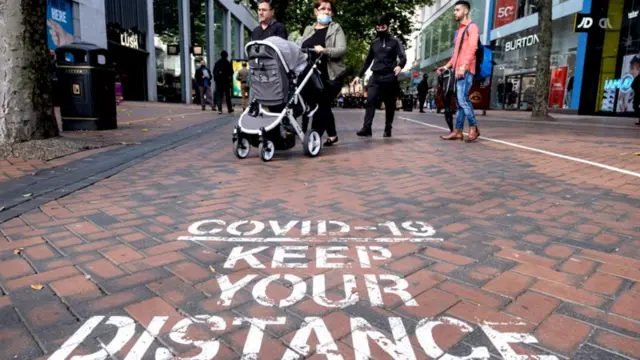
324	19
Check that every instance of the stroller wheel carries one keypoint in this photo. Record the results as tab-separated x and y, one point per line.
312	143
241	148
267	150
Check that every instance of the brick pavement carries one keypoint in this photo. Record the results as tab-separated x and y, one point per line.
478	249
137	122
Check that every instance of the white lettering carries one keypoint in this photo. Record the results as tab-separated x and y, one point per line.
229	289
253	343
322	228
59	15
237	254
361	330
501	341
208	348
126	329
281	253
77	338
146	339
195	227
424	333
260	291
320	297
300	343
323	255
508	46
400	289
257	228
275	226
585	23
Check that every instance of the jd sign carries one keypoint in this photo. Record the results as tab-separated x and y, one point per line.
586	23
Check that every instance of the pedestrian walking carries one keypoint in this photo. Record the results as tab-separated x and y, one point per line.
223	75
463	64
268	25
326	37
204	79
388	57
243	78
423	89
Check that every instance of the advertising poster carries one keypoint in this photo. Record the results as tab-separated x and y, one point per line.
558	85
505	12
237	65
59	23
630	70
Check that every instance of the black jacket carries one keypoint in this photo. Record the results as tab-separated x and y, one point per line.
199	76
423	88
223	73
275	28
385	51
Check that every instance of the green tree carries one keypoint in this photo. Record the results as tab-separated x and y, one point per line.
357	18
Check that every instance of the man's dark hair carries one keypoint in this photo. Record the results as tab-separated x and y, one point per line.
224	54
635	60
265	1
463	3
383	20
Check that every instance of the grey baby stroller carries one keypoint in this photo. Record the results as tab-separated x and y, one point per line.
279	71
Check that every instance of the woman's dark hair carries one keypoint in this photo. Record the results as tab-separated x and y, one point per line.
317	3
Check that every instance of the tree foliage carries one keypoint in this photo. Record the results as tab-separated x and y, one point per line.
357	18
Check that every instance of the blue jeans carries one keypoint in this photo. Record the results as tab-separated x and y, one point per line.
465	107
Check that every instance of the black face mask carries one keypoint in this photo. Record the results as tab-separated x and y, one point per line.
384	33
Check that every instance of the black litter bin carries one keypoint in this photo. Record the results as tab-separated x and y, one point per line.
407	103
86	81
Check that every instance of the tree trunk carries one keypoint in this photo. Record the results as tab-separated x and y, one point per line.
26	107
543	76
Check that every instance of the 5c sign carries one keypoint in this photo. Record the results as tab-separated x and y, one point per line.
505	12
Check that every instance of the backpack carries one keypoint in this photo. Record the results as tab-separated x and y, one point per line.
484	58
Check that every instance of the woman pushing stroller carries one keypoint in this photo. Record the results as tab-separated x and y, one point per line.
326	37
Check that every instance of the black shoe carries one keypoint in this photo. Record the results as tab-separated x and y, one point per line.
364	132
387	133
330	142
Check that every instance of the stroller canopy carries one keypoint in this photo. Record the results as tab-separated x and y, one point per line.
289	52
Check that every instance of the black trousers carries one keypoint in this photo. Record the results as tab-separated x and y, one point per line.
381	88
226	92
421	100
323	119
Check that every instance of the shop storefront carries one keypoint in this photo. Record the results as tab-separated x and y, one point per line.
514	75
615	53
127	50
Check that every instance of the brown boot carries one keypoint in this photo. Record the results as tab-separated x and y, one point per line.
455	135
474	133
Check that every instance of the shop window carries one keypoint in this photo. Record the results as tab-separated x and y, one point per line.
220	13
516	57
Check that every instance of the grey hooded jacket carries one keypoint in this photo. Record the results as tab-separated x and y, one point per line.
336	48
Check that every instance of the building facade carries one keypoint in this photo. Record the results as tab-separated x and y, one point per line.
609	42
155	45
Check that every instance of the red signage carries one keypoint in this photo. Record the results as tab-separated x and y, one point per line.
415	74
505	12
558	84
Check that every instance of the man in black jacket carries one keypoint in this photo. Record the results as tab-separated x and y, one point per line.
423	89
388	57
268	26
223	76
